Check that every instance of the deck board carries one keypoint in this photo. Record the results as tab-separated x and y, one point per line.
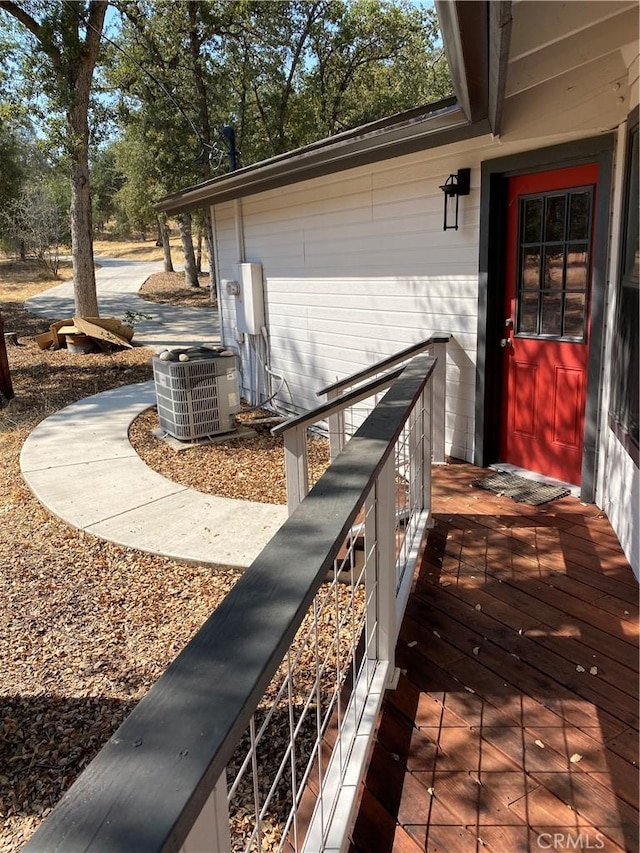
516	712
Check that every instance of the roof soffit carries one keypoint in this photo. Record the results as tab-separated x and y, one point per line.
552	40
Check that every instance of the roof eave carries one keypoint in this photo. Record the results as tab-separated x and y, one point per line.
402	134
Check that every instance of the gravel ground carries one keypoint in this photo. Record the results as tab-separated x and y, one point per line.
86	626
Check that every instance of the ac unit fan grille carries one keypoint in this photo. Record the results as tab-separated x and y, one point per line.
197	398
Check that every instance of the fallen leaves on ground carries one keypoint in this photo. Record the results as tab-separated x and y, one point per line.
86	626
243	468
169	288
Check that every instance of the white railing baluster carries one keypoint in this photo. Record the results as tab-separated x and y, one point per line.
426	407
415	459
371	574
336	429
210	832
439	383
296	466
386	560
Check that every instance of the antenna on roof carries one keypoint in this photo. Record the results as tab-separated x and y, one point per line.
229	135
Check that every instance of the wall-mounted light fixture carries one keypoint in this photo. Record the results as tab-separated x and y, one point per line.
455	186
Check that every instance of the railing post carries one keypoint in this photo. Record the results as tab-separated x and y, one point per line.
296	466
439	401
386	562
416	462
426	406
211	832
371	574
336	428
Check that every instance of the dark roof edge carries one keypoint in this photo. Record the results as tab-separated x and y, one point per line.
499	39
465	35
425	127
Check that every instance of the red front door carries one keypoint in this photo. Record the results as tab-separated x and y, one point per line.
546	333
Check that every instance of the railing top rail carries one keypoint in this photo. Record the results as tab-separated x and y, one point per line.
385	363
148	784
323	411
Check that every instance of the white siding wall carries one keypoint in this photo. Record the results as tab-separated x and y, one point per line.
356	267
620	498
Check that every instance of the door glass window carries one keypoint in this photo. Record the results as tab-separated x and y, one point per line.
554	251
533	220
554	221
580	216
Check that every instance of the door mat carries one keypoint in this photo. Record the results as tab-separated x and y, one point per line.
521	489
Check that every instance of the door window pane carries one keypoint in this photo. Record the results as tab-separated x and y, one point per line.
574	315
553	269
577	267
580	216
528	324
533	220
554	220
531	268
551	314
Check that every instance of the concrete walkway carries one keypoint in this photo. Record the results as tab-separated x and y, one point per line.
81	467
118	282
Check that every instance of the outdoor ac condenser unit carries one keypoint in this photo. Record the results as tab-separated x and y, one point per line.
197	397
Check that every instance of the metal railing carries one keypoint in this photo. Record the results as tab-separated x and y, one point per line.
344	415
256	736
340	427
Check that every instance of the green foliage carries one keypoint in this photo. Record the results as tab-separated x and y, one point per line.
106	181
307	70
284	73
138	179
12	172
35	225
27	173
43	64
131	318
378	59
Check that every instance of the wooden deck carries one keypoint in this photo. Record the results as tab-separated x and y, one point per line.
514	726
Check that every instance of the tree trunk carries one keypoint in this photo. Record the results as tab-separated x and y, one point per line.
163	231
73	57
84	277
199	250
79	77
190	272
195	11
208	233
6	388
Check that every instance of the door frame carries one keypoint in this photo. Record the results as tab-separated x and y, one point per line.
494	177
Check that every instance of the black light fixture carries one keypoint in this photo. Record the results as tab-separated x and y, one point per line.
455	186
